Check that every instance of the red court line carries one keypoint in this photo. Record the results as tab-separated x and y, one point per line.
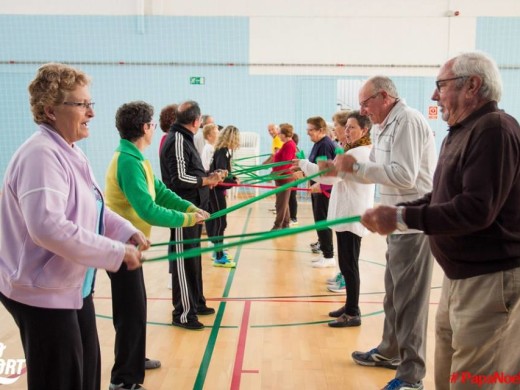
239	360
339	299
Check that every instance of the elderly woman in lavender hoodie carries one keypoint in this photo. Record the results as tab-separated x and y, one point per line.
54	232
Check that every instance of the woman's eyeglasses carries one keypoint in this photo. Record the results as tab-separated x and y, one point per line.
85	105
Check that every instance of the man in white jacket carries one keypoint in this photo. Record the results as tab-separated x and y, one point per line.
402	162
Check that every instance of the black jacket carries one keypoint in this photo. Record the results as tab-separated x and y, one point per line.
222	160
181	167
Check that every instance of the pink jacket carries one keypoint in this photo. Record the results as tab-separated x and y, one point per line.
48	217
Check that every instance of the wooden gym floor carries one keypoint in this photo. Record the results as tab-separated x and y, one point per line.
270	328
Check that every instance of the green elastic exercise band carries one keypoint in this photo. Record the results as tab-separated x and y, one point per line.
253	168
287	172
193	252
282	188
208	239
339	150
257	179
246	158
282	177
251	176
201	240
265	178
275	176
235	164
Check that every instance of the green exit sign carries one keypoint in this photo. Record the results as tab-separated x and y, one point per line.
197	80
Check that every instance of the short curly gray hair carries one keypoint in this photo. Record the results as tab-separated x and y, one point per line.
49	85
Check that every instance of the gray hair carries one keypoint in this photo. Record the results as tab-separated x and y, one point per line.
383	83
205	119
276	127
480	64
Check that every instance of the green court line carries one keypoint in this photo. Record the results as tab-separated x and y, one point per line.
168	324
210	347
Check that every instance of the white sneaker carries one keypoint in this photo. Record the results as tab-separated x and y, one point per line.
339	287
335	279
316	259
324	263
340	280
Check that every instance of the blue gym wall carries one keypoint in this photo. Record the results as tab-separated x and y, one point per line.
230	93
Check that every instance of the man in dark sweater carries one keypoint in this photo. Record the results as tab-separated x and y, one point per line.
472	217
183	173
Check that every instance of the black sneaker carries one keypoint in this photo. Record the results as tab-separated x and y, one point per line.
122	386
373	358
190	325
205	311
345	321
337	313
398	384
150	364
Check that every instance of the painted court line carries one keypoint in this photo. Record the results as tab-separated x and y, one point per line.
241	347
208	353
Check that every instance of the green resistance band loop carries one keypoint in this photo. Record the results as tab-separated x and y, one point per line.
281	177
247	174
201	240
282	188
259	179
249	157
262	178
253	168
194	252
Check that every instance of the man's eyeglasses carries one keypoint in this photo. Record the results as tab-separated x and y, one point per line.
85	105
152	125
438	82
364	103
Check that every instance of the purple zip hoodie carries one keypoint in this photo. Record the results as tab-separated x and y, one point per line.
48	232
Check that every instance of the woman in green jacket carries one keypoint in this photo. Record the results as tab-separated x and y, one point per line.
133	191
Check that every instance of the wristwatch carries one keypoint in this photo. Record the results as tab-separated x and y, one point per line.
401	225
355	167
